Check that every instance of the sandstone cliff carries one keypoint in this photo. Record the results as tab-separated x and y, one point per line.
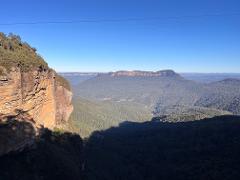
36	93
30	92
29	86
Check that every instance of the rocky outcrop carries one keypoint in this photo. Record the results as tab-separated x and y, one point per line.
50	155
37	94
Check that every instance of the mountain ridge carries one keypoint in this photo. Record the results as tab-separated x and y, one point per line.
138	73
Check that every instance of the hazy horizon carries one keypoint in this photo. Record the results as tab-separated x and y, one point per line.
149	71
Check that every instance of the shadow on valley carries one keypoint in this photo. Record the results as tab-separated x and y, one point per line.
206	149
38	155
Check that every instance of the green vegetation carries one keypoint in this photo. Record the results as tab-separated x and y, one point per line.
89	116
15	53
185	113
63	82
58	131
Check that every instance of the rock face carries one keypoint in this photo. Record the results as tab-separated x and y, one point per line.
37	94
32	95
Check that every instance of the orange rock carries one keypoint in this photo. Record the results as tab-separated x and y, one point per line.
36	94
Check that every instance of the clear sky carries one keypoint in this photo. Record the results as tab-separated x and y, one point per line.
183	35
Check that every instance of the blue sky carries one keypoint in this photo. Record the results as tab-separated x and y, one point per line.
187	36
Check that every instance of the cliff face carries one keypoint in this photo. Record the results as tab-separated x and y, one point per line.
37	94
30	93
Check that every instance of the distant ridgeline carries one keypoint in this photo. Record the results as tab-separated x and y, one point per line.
164	73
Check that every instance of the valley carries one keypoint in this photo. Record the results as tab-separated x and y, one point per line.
104	100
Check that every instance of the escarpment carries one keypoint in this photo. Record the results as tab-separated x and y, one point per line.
29	86
29	89
36	93
163	73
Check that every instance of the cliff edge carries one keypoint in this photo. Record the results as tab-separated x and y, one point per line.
29	89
